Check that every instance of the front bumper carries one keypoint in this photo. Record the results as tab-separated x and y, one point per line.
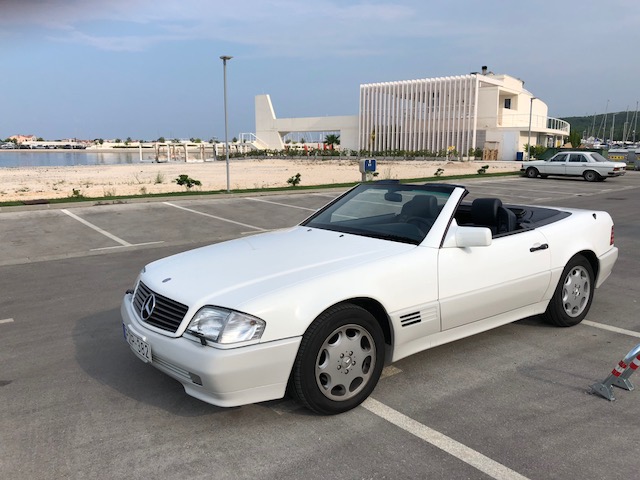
225	378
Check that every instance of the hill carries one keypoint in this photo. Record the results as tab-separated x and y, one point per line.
594	125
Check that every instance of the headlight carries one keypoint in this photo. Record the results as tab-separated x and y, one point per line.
224	326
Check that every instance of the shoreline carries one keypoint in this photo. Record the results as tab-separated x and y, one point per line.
56	182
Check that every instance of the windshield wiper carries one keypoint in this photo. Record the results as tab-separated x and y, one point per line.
389	236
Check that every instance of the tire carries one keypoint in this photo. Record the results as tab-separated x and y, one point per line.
531	172
340	360
573	296
591	176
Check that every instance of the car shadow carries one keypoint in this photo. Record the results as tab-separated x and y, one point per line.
103	354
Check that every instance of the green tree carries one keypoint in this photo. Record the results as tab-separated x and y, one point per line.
574	138
161	139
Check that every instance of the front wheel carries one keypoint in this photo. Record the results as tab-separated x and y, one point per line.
572	299
531	172
591	176
339	361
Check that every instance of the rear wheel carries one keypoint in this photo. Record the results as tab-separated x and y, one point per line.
591	176
531	172
339	361
573	296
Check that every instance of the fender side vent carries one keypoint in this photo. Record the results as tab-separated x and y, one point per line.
410	319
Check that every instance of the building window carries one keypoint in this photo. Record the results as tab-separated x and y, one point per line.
507	103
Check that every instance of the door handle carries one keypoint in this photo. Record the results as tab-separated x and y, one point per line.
544	246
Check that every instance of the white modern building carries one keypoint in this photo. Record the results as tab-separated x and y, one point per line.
494	113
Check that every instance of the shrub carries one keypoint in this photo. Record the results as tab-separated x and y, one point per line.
187	182
295	180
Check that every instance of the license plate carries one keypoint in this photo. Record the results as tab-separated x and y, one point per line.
138	345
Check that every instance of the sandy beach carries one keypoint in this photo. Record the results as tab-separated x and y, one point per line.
96	181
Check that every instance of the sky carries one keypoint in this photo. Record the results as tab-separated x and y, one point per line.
143	69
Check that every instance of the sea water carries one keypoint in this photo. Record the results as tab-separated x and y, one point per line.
69	158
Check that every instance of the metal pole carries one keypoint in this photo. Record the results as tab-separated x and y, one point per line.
529	140
224	59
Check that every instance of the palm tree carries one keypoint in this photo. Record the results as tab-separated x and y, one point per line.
331	140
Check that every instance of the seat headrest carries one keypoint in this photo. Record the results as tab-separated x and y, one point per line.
484	211
425	206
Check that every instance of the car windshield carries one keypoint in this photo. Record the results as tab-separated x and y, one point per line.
599	158
391	211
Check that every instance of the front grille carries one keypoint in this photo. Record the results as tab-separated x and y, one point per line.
167	314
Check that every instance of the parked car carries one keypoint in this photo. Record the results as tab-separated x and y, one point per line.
384	271
590	165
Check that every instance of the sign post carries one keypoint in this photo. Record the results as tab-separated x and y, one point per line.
367	166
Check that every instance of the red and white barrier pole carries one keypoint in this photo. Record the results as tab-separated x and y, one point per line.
623	380
619	376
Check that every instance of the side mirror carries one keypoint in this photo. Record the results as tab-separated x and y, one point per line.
472	237
463	237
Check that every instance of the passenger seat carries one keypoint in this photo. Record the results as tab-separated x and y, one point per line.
489	212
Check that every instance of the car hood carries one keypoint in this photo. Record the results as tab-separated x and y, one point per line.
231	273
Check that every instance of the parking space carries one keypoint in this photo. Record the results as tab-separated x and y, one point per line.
26	236
546	191
509	403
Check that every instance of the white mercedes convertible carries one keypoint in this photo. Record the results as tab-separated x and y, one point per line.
382	272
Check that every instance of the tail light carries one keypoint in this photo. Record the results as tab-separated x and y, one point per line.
611	240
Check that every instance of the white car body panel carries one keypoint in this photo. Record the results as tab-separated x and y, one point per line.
429	294
490	282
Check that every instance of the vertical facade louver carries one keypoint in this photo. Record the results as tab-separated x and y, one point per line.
432	115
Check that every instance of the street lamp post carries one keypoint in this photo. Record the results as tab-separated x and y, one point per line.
224	59
529	140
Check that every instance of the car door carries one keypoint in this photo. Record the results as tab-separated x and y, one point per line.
556	165
476	283
576	164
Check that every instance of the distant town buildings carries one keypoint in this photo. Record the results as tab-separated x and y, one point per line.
23	138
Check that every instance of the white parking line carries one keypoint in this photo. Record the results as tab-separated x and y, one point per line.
602	326
7	320
130	245
461	452
389	371
96	228
213	216
281	204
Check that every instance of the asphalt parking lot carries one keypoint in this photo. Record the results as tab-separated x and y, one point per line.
510	403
